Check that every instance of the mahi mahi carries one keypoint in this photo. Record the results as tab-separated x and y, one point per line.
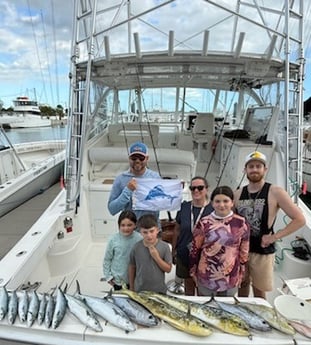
216	318
180	320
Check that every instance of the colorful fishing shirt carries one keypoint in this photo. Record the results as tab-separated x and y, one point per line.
219	251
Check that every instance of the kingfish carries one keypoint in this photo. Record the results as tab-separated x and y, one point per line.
254	321
60	308
136	312
107	310
42	308
182	321
12	307
4	299
214	317
49	311
269	314
33	308
23	303
83	313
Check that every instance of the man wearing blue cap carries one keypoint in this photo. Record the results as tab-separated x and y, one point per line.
125	184
259	202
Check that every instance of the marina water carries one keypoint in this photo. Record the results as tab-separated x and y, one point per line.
23	135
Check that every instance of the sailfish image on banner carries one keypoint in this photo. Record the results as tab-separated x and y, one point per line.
157	195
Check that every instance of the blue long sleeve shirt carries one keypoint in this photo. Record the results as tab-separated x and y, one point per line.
120	198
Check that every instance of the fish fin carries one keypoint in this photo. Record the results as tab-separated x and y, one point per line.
78	289
236	300
212	299
189	310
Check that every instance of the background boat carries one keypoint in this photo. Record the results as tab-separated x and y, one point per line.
28	169
26	114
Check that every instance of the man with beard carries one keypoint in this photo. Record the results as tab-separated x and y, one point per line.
120	198
259	202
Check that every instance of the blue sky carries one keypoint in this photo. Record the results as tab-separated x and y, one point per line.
35	40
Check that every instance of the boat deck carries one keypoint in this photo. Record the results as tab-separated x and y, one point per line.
16	223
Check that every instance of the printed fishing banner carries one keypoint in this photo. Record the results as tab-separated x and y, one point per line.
157	195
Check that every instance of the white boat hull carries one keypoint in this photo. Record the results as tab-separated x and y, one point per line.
28	170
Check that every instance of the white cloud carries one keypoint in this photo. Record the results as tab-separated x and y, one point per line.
35	38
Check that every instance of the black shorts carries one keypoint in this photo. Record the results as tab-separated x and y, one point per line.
182	270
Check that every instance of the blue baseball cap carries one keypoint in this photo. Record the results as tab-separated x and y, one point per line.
139	149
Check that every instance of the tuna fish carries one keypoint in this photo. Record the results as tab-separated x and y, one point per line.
136	312
269	314
254	321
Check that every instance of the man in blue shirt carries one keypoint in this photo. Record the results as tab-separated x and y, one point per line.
125	184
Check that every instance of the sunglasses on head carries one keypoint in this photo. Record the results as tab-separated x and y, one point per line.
199	188
135	157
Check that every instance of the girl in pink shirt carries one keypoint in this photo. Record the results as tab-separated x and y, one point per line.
220	247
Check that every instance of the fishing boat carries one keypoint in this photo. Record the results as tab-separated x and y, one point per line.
201	99
26	114
28	169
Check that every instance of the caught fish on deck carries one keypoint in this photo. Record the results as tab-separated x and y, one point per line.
136	312
12	307
107	310
23	302
254	321
33	308
216	318
60	308
269	314
83	313
4	298
180	320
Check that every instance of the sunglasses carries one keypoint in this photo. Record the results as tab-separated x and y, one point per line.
199	188
141	158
